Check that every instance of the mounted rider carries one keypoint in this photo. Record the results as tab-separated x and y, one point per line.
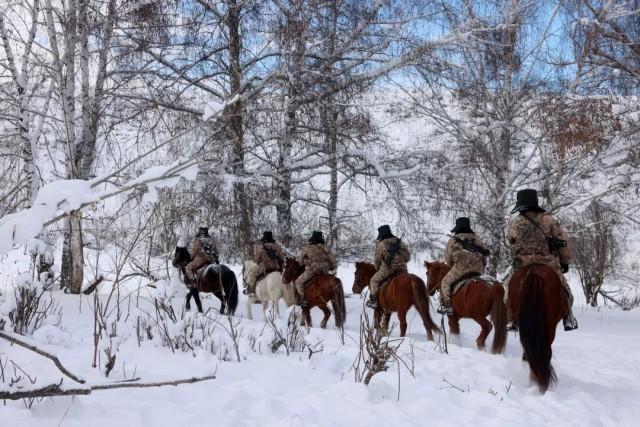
466	255
317	259
391	256
536	237
269	257
203	250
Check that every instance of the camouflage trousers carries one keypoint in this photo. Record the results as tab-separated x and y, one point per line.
563	280
252	277
447	282
305	277
380	276
193	267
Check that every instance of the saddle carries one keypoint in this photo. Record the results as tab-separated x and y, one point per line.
266	273
468	278
202	270
389	278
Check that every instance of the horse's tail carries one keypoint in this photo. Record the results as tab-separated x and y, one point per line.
339	304
421	300
533	332
232	294
499	319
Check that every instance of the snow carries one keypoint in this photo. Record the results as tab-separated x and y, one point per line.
597	367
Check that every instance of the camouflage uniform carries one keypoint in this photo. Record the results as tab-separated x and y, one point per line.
462	262
204	251
265	263
383	270
528	245
317	259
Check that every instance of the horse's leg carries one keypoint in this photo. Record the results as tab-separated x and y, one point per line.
454	324
486	329
249	311
188	304
386	318
196	296
402	317
327	314
223	301
265	307
306	314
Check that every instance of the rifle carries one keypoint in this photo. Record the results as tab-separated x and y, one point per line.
555	244
471	247
393	251
272	254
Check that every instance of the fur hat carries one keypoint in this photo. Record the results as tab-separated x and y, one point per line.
527	200
267	237
384	232
316	237
203	232
463	225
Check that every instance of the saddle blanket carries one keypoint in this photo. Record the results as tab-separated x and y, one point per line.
465	280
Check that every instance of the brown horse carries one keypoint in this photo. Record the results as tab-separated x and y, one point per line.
538	302
398	295
477	300
318	291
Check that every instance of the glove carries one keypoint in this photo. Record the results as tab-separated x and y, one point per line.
564	268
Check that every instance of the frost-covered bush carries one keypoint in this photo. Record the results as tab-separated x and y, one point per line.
30	306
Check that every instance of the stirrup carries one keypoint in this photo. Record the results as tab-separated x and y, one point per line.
512	326
372	303
445	310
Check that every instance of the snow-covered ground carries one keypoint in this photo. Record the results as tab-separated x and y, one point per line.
597	367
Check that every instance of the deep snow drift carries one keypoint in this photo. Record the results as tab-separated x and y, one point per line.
597	367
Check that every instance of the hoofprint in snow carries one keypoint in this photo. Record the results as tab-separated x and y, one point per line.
597	367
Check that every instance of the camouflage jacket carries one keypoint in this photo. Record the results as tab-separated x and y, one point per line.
461	259
204	248
528	243
317	257
268	262
399	260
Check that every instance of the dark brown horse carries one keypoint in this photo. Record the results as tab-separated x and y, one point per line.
477	300
319	291
399	295
218	279
538	302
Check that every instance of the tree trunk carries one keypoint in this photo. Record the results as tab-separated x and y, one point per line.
72	273
242	205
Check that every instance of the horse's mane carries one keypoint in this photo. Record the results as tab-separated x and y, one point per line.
365	265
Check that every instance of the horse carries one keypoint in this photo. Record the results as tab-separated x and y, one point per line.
318	291
538	301
268	289
398	295
218	279
477	300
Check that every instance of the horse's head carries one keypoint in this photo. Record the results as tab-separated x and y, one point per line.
181	257
436	271
362	276
291	270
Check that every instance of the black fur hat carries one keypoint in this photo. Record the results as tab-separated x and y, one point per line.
463	225
267	237
384	232
527	200
316	237
203	232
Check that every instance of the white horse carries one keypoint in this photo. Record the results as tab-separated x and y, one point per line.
268	289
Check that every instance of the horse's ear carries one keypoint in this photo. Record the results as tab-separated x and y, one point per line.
427	264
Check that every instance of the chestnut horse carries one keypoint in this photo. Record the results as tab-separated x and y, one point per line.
398	295
477	300
318	291
538	301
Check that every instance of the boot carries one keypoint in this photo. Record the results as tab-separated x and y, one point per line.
372	302
301	300
570	323
445	308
